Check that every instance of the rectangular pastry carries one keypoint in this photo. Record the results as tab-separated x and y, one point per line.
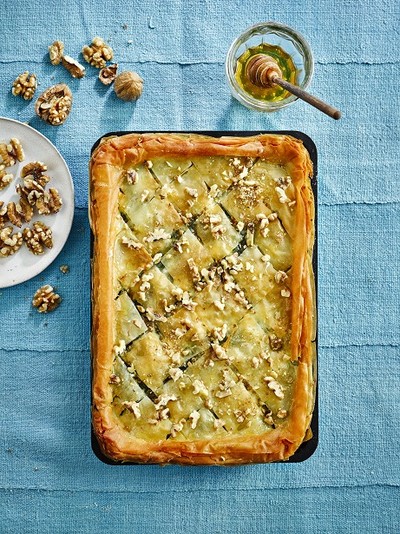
203	298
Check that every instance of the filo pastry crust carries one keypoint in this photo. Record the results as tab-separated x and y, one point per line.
108	166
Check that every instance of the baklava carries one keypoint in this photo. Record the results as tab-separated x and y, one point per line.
203	308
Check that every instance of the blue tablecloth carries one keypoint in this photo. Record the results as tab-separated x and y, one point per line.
50	481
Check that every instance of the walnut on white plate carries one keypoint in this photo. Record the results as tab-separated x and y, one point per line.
10	153
33	191
5	177
9	242
97	53
50	202
54	105
3	214
25	85
46	299
38	238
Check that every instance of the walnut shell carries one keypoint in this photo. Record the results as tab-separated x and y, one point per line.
108	74
128	86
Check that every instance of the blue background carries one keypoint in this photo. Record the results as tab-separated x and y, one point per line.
50	481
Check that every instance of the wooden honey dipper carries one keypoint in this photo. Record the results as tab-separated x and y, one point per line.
262	70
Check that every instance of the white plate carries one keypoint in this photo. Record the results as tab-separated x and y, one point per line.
24	265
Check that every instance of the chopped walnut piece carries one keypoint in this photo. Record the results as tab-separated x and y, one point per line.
177	427
214	222
194	416
283	198
9	242
199	388
285	292
219	351
46	299
114	379
73	67
274	386
119	348
276	343
281	414
280	277
157	235
54	104
132	177
56	52
38	237
133	407
175	373
130	243
108	74
25	85
219	423
64	269
97	53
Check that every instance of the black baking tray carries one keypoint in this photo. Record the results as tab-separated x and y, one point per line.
307	448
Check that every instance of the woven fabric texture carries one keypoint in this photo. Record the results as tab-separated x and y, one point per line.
50	480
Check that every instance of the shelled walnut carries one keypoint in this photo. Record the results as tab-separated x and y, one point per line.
54	104
9	242
11	152
97	53
24	209
3	214
56	52
33	192
5	177
14	216
25	85
128	86
38	237
35	169
46	299
50	202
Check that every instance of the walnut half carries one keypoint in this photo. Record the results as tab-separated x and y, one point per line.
56	52
5	177
54	105
46	299
38	237
98	53
3	214
25	85
9	242
10	153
